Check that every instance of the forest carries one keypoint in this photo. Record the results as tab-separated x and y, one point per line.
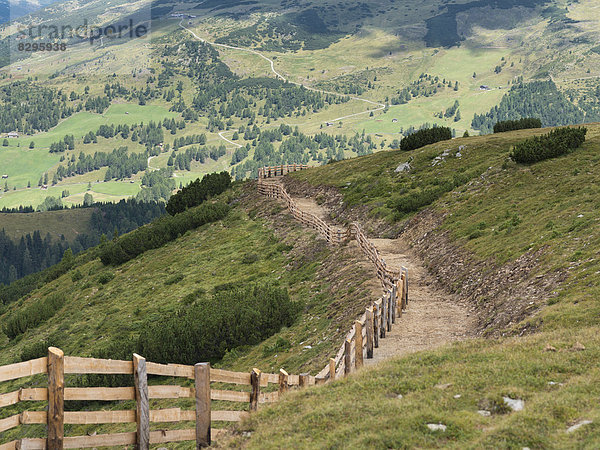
34	252
540	99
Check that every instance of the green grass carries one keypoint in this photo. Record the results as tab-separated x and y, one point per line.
82	122
364	411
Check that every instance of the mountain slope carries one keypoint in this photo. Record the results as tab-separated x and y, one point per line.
519	243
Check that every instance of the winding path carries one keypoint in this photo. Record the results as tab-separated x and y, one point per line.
433	317
380	106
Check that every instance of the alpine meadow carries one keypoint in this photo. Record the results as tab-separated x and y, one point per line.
300	224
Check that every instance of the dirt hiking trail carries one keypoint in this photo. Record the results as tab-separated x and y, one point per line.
433	318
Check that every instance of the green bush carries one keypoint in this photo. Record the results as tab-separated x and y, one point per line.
76	276
163	230
521	124
174	279
210	327
106	277
415	200
198	192
32	315
556	143
425	137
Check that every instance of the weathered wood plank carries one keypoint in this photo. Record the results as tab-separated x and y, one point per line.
101	440
165	436
304	380
203	395
269	397
56	398
347	357
74	364
9	446
100	394
384	317
98	417
142	415
10	422
170	370
230	396
225	376
24	369
376	325
229	416
170	392
33	444
283	382
12	398
34	417
358	348
369	337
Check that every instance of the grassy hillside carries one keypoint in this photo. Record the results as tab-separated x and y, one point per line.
104	305
69	223
540	219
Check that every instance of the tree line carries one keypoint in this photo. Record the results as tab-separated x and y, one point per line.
198	192
540	99
520	124
32	253
425	137
160	232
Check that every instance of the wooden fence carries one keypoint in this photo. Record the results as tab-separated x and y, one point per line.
380	316
56	365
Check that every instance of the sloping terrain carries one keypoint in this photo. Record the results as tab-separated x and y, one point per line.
257	243
515	241
434	317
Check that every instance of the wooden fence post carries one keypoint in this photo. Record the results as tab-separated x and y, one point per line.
255	394
358	344
384	314
369	316
394	302
347	357
400	297
303	380
202	383
376	325
142	416
390	311
331	369
406	286
56	398
283	382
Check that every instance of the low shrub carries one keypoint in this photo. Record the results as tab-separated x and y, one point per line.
32	315
556	143
425	137
521	124
106	277
163	230
208	328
